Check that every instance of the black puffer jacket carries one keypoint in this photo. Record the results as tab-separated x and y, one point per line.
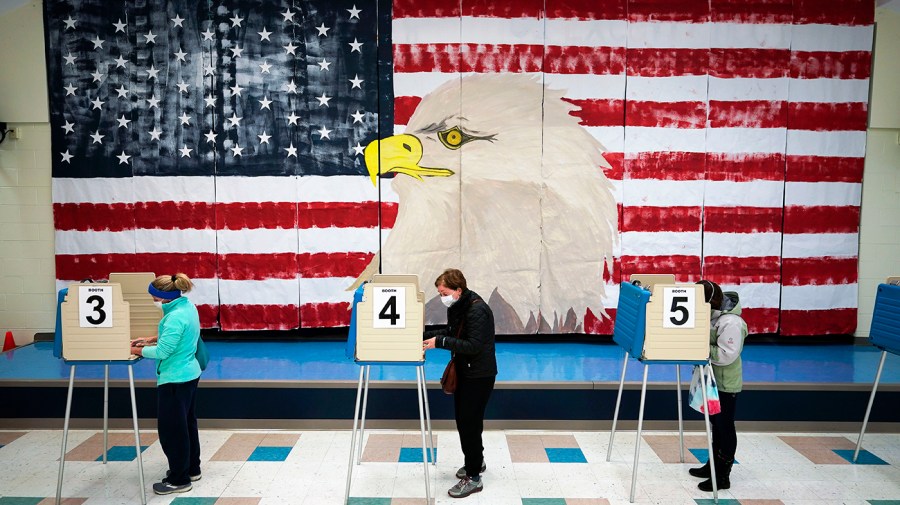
473	347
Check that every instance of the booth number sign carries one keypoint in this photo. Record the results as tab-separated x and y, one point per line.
679	307
389	304
95	306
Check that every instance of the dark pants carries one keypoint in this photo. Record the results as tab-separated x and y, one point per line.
177	427
470	402
724	434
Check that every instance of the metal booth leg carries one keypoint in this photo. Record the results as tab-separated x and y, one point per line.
420	388
428	418
359	386
362	422
869	408
612	433
62	451
637	443
680	419
106	411
705	379
137	435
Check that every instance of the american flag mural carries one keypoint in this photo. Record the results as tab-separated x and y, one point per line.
225	140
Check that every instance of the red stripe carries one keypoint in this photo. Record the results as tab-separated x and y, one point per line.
254	215
742	219
821	219
795	323
745	167
617	166
667	62
823	169
751	11
584	60
819	271
660	219
761	320
586	9
494	9
258	266
693	11
835	65
685	268
99	266
168	215
665	114
748	114
324	315
749	62
346	214
404	106
424	9
834	12
258	317
595	326
599	111
818	116
480	58
754	269
667	166
93	216
320	265
209	316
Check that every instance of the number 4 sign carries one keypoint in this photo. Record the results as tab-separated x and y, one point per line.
679	307
389	304
95	306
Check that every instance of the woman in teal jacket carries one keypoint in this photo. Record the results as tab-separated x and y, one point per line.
178	373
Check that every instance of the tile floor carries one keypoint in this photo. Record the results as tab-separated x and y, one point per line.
524	468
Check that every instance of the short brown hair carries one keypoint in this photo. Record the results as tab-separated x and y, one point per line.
179	282
712	294
451	278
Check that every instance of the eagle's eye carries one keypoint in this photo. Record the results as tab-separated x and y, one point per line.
454	138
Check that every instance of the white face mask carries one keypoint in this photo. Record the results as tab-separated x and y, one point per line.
158	305
448	300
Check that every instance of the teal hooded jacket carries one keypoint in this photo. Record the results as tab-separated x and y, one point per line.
726	341
176	347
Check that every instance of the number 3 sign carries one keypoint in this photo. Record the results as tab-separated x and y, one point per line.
389	304
95	306
679	307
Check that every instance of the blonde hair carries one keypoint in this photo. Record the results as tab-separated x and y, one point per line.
177	282
451	278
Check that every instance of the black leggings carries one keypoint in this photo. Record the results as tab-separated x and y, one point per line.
470	402
177	427
724	434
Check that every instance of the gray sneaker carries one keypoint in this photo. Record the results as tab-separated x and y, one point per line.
461	473
465	487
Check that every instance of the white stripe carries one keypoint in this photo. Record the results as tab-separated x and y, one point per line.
421	83
746	140
668	34
658	193
831	38
256	189
610	299
92	190
317	240
591	33
823	193
743	89
741	245
749	35
642	243
175	189
205	292
343	188
260	292
817	245
175	241
816	297
682	88
611	137
743	194
326	290
94	242
425	30
829	90
485	30
640	139
831	143
581	86
756	295
257	241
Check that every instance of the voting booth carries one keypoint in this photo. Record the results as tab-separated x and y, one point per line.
661	322
144	314
387	323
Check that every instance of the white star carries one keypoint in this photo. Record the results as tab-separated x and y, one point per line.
323	133
70	23
264	35
151	38
153	102
234	119
264	103
180	55
264	67
358	117
68	127
120	62
323	31
152	73
356	81
288	15
98	42
291	87
210	100
123	93
155	133
98	139
208	70
185	151
356	46
293	118
236	21
70	90
177	20
97	103
323	100
208	34
358	149
211	136
66	156
264	139
236	51
123	158
123	122
324	64
290	48
291	151
97	76
185	119
236	150
236	90
354	12
70	60
182	86
120	26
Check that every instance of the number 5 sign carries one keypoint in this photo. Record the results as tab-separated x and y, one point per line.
679	309
95	307
389	306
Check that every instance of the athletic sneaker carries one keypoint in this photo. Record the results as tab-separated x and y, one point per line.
166	488
461	473
194	478
465	487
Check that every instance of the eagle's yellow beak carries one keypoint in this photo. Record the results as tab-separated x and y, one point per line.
400	154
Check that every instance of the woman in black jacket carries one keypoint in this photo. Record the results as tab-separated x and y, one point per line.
469	335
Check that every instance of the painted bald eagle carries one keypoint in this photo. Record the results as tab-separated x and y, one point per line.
496	178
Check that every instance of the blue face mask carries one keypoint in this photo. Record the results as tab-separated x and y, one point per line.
448	300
